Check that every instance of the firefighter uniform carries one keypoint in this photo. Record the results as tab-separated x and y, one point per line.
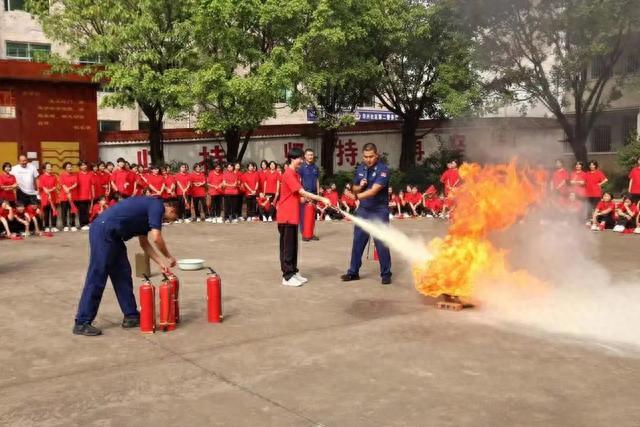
374	208
135	216
309	175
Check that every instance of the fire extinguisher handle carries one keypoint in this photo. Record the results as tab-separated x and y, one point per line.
212	270
146	277
165	276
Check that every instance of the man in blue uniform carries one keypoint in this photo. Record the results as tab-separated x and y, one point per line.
371	187
135	216
310	176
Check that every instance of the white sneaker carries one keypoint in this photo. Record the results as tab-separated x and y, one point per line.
74	229
264	218
328	218
618	228
390	217
65	229
241	218
637	230
270	219
300	278
47	230
179	221
85	228
429	216
292	282
164	224
55	230
594	228
187	221
235	221
227	222
219	221
198	220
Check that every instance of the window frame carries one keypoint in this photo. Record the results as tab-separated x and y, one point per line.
30	51
8	8
101	122
593	142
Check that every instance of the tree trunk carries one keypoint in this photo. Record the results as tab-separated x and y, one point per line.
579	146
232	138
245	143
408	146
329	139
156	141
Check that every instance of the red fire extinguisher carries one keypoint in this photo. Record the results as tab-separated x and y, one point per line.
147	307
167	321
175	285
309	220
214	297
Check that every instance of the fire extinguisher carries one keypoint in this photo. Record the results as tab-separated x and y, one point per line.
147	307
214	297
174	283
167	321
309	220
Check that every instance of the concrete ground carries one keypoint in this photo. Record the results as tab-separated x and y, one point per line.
328	353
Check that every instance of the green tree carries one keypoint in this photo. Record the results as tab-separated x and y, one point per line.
142	50
561	53
426	70
330	67
629	154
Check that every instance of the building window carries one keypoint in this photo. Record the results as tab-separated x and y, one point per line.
28	51
597	67
89	60
10	5
601	139
108	125
368	102
632	64
143	125
629	127
284	95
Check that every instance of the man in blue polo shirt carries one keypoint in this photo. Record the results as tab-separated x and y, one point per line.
371	187
135	216
310	176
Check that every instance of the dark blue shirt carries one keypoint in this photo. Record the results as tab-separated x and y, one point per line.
309	173
377	174
132	217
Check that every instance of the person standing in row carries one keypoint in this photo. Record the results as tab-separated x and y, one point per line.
237	170
26	175
272	183
288	218
155	182
68	197
310	175
216	193
183	193
8	185
634	183
85	194
593	182
48	185
450	179
371	188
251	184
230	185
198	193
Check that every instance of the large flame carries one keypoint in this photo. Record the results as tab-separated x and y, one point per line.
491	198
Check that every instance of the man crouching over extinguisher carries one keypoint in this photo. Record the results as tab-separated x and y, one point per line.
135	216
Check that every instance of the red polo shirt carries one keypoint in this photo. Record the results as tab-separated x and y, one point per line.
289	205
85	185
230	183
214	180
271	179
7	179
252	179
591	181
68	179
198	191
634	175
182	179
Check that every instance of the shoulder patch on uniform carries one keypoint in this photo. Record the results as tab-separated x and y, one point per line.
383	174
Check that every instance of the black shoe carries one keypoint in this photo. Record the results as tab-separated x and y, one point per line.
130	322
315	238
305	240
349	277
86	329
386	280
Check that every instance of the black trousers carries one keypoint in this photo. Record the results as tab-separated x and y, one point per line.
288	249
216	207
627	223
26	199
251	206
199	206
266	212
272	199
230	207
608	220
68	218
184	206
591	203
83	211
16	226
49	220
238	205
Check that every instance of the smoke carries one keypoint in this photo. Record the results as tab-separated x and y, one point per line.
412	250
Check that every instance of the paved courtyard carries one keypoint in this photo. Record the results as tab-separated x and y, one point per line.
328	353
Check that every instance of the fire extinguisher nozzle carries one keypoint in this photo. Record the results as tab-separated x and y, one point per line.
165	276
146	277
211	270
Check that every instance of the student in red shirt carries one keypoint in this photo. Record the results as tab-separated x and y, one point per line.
626	215
198	192
231	188
348	200
48	187
432	204
183	193
288	217
448	206
169	193
140	180
34	214
98	207
403	205
593	182
84	194
102	183
122	179
634	183
577	180
8	184
603	214
216	192
272	182
237	169
21	220
68	196
264	167
559	180
332	195
414	200
394	205
265	208
6	217
450	178
155	182
251	184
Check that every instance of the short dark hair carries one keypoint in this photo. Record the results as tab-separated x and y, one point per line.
295	153
120	159
110	164
595	163
65	164
309	150
370	146
5	164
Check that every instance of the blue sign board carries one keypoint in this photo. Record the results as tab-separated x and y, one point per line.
361	115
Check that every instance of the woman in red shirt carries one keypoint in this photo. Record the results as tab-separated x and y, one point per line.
183	193
230	185
198	192
559	180
68	196
237	169
102	181
48	187
8	185
603	214
348	200
634	183
593	182
85	194
288	217
98	207
169	183
216	192
264	167
272	182
451	177
251	184
155	182
626	215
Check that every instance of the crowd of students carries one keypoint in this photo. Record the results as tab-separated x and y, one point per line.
229	193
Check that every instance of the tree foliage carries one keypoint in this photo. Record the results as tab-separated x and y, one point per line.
561	53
